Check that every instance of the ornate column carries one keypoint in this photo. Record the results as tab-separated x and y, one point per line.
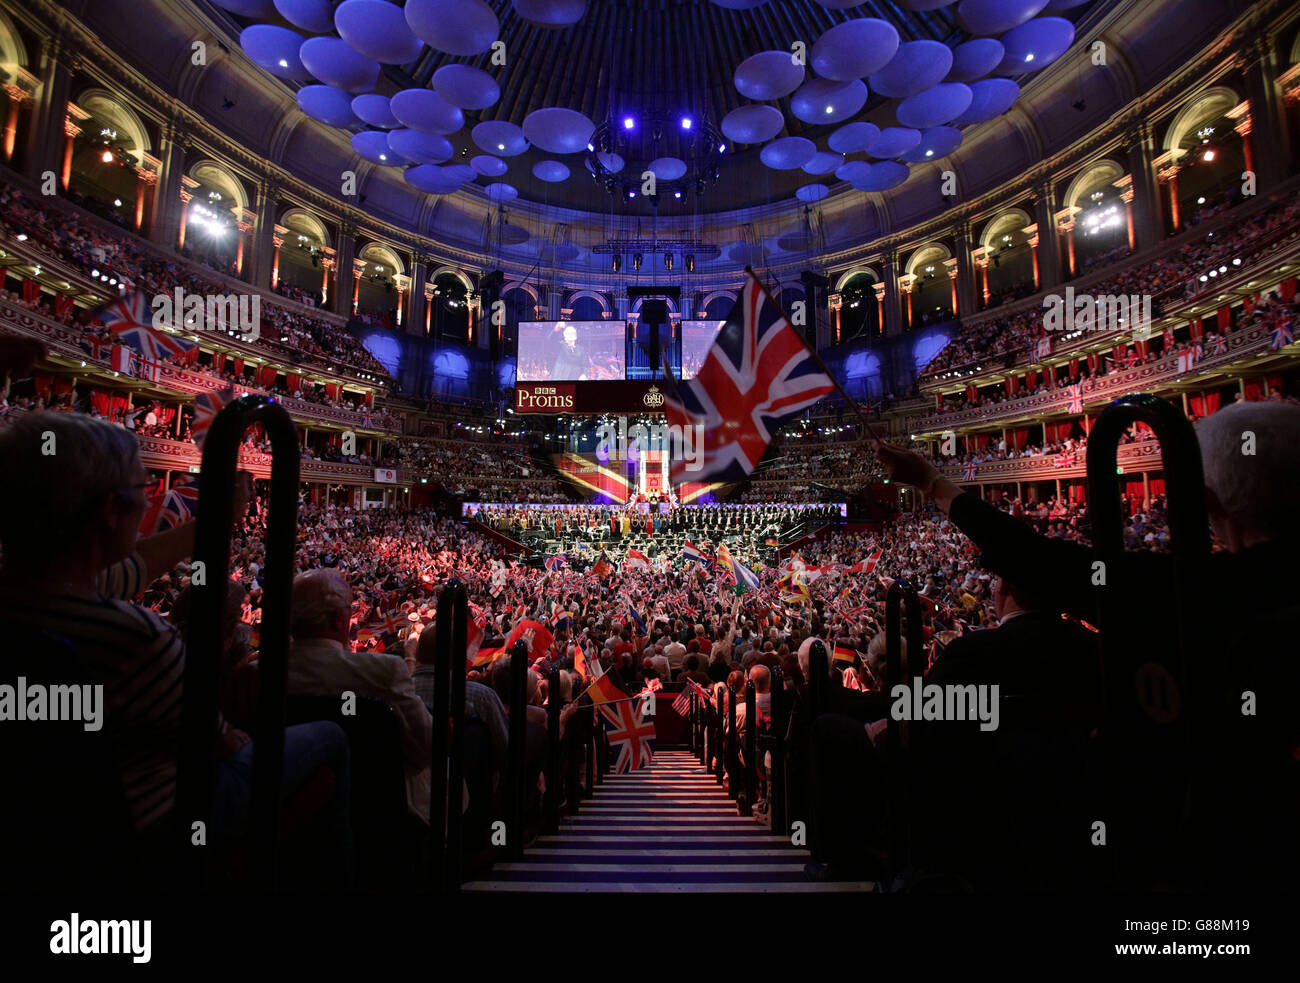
1049	262
146	184
21	90
419	318
186	197
893	324
836	302
71	130
1032	232
265	251
981	257
49	110
1146	200
1125	184
880	307
244	223
480	337
403	284
328	263
1065	224
906	284
358	269
965	271
428	307
1271	148
277	240
164	218
1168	174
951	264
343	280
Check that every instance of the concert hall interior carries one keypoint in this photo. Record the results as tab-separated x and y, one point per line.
501	448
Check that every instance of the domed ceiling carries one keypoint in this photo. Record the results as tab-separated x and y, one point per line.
727	103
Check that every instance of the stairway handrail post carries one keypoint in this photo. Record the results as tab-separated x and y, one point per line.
776	774
733	778
197	766
518	724
751	745
553	698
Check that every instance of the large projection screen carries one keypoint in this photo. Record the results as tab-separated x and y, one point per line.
697	339
571	351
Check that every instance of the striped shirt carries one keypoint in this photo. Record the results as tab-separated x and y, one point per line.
139	658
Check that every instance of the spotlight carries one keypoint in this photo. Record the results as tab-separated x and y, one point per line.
628	122
107	156
284	63
117	202
1207	156
1029	57
677	194
722	148
686	122
591	148
631	193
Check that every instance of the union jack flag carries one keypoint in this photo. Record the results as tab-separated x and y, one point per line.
171	508
1282	335
367	419
97	349
206	408
682	705
1075	403
556	562
1221	345
388	623
629	731
969	473
757	375
129	319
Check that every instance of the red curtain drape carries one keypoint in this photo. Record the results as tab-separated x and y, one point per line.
1287	287
41	383
1074	367
219	362
31	290
238	366
100	402
291	382
267	376
1031	379
1225	321
1254	389
1157	486
332	390
62	386
972	393
370	399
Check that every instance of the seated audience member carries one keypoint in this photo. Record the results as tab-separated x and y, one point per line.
65	519
1246	626
322	663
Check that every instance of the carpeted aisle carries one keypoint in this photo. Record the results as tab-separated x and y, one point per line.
668	829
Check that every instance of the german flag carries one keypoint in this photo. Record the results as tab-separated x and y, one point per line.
844	654
605	690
